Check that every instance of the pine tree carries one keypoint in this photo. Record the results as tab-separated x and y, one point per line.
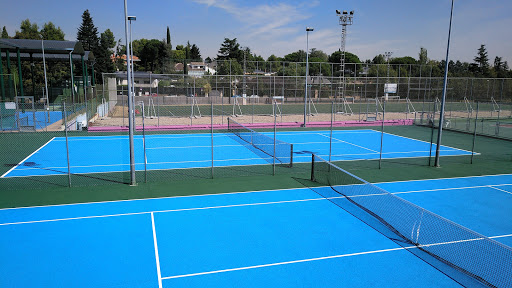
195	54
482	59
169	37
88	33
4	33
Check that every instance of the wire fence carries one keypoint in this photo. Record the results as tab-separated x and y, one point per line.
35	151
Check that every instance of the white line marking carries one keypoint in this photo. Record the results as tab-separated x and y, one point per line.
349	143
157	258
148	199
323	258
17	165
282	263
447	178
475	153
171	210
499	189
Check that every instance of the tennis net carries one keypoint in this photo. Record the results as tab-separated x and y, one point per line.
464	250
262	143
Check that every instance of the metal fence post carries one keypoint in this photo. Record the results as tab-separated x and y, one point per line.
474	134
382	135
67	144
211	131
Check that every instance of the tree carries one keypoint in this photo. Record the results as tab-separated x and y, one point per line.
28	31
423	57
50	32
379	59
298	56
403	60
194	53
169	37
153	55
230	49
103	62
319	55
88	33
349	57
500	67
4	33
482	60
235	69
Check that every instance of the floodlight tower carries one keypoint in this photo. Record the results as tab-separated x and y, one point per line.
345	19
308	29
388	55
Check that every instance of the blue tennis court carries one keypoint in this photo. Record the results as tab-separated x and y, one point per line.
42	119
279	238
100	154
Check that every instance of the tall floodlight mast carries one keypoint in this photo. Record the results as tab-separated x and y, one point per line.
345	19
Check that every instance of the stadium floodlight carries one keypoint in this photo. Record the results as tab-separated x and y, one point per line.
345	19
308	29
388	55
131	121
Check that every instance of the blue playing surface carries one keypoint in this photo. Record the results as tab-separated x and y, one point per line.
96	154
280	238
42	120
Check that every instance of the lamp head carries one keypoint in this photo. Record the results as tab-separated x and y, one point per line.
352	12
345	12
308	29
338	12
132	18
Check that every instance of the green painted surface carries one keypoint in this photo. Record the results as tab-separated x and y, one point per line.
495	158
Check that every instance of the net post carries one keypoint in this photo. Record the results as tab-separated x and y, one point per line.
313	168
144	145
67	144
291	156
382	134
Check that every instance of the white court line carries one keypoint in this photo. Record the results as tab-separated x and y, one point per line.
475	153
155	169
448	178
349	143
123	164
324	258
17	165
499	189
165	211
156	198
157	258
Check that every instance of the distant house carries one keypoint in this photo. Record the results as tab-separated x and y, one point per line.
114	57
141	79
178	67
196	69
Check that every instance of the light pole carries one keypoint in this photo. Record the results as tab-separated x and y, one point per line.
133	180
132	18
308	29
345	19
441	113
388	55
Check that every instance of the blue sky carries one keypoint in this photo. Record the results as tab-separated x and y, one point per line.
278	27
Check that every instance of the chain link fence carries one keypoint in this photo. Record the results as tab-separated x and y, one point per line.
37	154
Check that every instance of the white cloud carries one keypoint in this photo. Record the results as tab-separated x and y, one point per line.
269	23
